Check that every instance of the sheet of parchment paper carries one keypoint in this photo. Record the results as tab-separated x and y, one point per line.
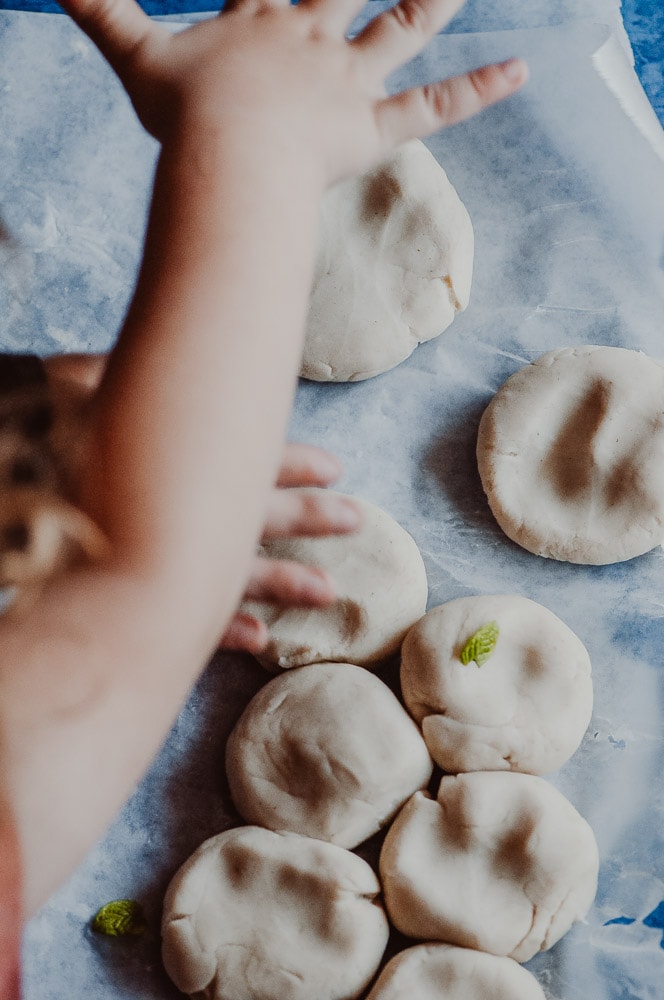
567	201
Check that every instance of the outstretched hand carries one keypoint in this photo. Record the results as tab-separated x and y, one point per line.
294	512
289	78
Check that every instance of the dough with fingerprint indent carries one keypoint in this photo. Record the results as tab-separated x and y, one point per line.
500	862
571	455
393	267
325	750
257	915
381	591
525	708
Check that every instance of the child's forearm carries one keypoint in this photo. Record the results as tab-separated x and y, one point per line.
198	390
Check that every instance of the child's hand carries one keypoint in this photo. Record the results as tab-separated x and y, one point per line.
292	513
287	78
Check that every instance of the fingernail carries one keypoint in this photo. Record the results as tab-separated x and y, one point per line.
514	70
348	515
320	586
255	634
327	466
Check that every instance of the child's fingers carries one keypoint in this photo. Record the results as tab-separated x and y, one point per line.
289	584
398	34
306	465
333	15
424	110
245	634
276	581
298	513
117	27
252	6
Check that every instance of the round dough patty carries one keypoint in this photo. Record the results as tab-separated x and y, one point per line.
381	586
571	455
443	972
257	915
326	751
525	708
501	862
394	266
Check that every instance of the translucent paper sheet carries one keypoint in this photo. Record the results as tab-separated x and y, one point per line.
566	195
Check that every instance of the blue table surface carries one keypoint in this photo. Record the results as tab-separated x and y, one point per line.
644	22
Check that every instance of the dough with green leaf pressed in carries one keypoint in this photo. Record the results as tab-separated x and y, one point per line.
445	972
393	267
524	708
325	750
571	455
500	862
257	915
381	591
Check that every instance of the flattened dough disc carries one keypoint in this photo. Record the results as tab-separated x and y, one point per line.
394	266
500	862
571	455
257	915
443	972
382	590
325	750
525	708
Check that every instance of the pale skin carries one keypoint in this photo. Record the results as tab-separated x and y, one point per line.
290	511
93	676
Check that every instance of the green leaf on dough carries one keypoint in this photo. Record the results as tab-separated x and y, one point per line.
481	644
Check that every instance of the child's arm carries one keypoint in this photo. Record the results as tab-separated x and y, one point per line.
291	511
257	111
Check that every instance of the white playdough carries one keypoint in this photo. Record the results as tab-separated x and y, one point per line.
257	915
571	455
501	862
327	751
394	266
381	586
525	709
443	972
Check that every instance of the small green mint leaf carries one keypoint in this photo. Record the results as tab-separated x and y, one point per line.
481	644
119	917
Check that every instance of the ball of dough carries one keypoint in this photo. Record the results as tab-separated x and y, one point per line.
571	455
525	708
394	266
501	862
381	586
326	751
257	915
443	972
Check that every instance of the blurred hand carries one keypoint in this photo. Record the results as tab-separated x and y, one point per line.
288	78
292	512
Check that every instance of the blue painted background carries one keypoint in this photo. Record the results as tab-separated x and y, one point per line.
644	22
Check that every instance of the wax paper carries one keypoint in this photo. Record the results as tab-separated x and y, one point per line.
565	193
